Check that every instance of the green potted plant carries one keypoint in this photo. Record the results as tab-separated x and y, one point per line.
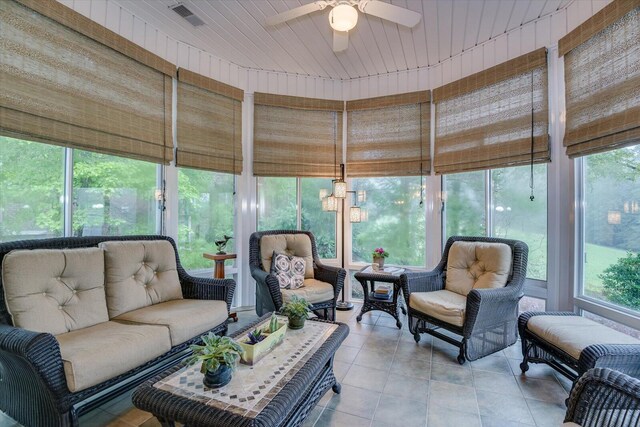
259	342
296	310
218	356
379	254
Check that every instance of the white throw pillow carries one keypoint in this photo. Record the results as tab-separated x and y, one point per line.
289	270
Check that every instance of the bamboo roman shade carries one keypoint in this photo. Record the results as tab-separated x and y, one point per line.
484	121
296	137
602	80
209	124
389	135
69	81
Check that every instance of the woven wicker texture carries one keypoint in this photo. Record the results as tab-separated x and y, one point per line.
491	315
298	137
77	92
389	136
604	397
209	124
484	120
602	81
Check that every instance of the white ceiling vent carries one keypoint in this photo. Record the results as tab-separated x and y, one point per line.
182	10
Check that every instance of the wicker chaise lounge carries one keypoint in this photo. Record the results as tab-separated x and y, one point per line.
473	292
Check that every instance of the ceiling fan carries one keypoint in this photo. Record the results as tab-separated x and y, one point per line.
343	17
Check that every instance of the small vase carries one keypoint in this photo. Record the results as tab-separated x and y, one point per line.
296	322
379	260
217	378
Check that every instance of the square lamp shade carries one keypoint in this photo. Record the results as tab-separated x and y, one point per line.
340	189
355	214
332	204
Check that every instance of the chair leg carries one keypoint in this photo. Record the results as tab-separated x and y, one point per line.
461	359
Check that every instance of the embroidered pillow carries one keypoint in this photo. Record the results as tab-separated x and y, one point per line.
289	270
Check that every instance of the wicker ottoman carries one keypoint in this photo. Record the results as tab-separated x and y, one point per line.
572	344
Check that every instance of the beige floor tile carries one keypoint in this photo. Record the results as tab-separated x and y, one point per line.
498	364
452	396
499	383
412	367
377	359
330	418
403	386
411	350
346	354
355	401
366	378
509	409
445	417
499	422
545	390
546	414
354	340
401	412
313	416
340	369
451	374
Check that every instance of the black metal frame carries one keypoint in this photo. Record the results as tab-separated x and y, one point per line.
33	387
490	315
268	294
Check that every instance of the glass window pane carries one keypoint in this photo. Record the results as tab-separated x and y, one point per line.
277	204
31	190
322	224
396	221
113	195
464	204
515	216
612	227
206	214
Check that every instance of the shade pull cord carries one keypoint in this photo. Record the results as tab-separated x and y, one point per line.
421	160
531	197
235	176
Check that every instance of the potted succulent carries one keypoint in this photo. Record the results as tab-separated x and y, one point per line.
259	342
379	254
218	356
296	310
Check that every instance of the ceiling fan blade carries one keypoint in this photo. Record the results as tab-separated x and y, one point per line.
295	12
340	40
392	13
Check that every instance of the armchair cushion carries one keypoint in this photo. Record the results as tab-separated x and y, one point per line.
314	291
139	274
55	291
477	265
443	305
185	318
289	270
572	334
291	244
103	351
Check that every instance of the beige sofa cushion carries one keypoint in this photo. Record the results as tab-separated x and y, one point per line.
313	291
139	274
290	244
477	265
100	352
55	291
443	305
572	334
185	318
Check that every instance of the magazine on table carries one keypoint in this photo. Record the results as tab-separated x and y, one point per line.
387	270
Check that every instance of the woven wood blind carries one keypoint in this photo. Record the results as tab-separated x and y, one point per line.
296	137
602	81
484	121
61	86
209	124
389	135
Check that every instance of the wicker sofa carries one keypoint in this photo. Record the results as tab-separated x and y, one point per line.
85	318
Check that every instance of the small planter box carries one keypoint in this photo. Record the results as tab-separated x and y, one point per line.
253	353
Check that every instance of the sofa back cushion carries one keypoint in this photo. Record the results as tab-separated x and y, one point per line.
477	265
55	291
290	244
138	274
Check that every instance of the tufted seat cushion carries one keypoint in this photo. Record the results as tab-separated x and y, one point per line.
444	305
314	291
55	291
477	265
291	244
139	274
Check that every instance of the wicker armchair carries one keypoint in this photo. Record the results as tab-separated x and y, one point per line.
489	316
268	294
604	397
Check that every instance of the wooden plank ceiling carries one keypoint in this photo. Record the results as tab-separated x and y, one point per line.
234	30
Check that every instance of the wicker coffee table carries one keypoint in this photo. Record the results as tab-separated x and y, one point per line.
280	390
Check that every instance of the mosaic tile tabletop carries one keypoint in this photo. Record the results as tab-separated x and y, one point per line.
253	387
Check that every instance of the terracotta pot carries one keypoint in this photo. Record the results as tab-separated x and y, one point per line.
379	260
218	378
296	322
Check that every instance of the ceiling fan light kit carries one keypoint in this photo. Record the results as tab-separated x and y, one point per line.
343	17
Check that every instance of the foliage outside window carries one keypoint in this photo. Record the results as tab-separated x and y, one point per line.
113	195
465	204
31	190
206	213
277	202
313	218
611	264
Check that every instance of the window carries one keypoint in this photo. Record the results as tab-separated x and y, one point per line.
396	221
509	213
32	188
278	209
206	214
113	195
611	227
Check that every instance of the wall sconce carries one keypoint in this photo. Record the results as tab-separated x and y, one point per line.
614	217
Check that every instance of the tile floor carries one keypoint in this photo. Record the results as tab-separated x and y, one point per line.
389	380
